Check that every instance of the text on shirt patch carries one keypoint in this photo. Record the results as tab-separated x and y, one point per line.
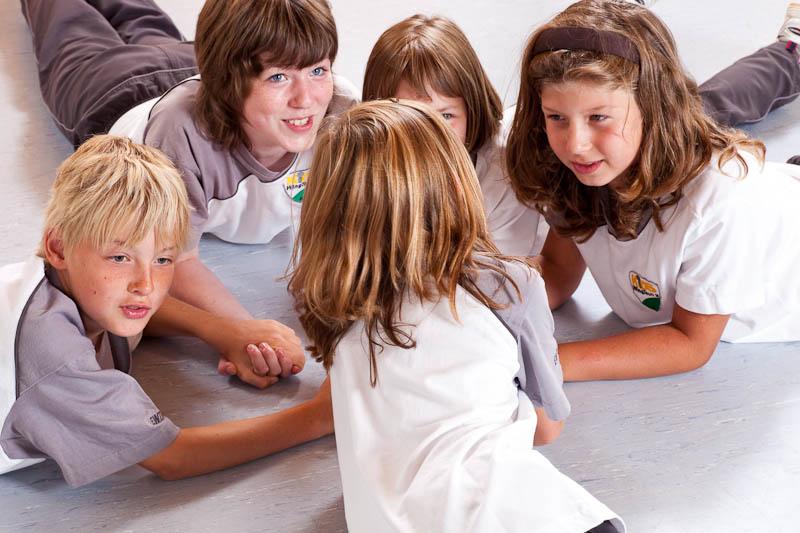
295	185
156	419
645	290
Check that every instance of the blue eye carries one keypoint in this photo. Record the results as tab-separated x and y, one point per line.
554	117
164	261
319	71
117	258
448	116
277	77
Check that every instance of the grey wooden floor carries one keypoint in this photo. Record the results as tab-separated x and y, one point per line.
717	449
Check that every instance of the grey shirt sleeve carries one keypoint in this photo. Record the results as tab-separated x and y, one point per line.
171	129
91	421
530	321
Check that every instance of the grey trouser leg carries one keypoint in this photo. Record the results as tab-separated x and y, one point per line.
753	86
97	61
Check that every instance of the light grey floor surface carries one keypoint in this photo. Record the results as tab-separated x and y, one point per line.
717	449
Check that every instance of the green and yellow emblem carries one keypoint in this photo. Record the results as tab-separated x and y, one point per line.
646	291
295	185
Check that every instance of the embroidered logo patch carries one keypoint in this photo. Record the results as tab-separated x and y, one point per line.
295	185
156	419
646	291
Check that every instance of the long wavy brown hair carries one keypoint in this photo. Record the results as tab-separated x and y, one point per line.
393	209
678	138
235	41
433	51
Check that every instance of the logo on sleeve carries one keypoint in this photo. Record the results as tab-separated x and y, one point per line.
646	291
156	419
295	185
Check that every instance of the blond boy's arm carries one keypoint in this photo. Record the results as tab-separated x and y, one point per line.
258	350
205	449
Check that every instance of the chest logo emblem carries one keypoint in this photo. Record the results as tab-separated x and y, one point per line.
645	290
295	185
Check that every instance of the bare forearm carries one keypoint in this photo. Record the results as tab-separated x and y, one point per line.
643	353
195	284
176	317
562	268
207	449
547	430
560	283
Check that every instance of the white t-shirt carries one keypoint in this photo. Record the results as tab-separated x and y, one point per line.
444	441
728	247
516	229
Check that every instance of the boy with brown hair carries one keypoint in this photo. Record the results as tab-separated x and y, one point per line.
117	219
241	133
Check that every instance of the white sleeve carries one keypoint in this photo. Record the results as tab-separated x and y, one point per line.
514	227
723	267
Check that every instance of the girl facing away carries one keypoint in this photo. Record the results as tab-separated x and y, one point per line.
441	354
682	224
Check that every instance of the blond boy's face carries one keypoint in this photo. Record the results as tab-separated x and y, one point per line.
117	288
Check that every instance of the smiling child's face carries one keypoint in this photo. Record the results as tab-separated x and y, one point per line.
117	288
594	130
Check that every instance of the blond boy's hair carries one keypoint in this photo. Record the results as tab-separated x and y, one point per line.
111	189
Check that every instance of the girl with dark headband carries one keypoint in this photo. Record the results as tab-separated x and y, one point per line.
679	219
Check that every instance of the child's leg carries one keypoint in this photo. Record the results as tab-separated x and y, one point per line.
753	86
88	75
138	21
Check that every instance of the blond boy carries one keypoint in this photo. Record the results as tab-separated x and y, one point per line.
117	219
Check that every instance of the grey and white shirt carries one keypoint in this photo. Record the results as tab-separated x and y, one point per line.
75	404
234	197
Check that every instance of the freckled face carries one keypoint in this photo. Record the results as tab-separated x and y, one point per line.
118	288
453	109
285	108
594	130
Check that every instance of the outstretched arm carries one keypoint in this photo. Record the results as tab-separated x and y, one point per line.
684	344
258	350
562	268
195	284
205	449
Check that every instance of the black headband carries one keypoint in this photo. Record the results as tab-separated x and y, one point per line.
574	38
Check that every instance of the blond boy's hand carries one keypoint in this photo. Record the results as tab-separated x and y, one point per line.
260	351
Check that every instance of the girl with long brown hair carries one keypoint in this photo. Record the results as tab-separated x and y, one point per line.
680	221
430	59
442	361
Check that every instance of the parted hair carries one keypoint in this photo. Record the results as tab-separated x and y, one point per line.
113	188
678	138
396	212
433	51
235	41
